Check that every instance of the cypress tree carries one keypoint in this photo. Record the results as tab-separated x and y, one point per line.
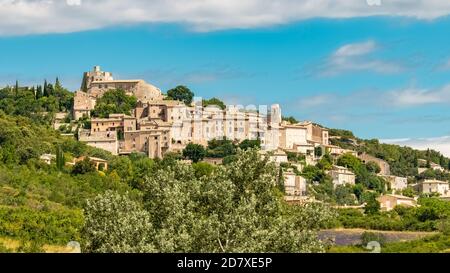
280	183
16	89
39	93
60	161
50	90
58	85
45	89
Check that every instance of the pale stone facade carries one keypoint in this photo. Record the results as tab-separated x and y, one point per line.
389	201
338	151
315	133
157	126
434	186
396	183
342	176
95	83
294	185
102	140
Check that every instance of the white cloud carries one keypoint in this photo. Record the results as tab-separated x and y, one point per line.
441	144
445	66
59	16
356	57
418	97
357	49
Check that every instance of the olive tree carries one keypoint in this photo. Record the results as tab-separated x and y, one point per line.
235	208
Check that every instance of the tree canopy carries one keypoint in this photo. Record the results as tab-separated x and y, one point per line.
233	209
194	152
215	102
114	102
181	93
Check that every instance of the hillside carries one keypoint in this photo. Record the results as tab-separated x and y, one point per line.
403	161
45	205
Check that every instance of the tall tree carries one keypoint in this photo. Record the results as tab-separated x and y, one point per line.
60	160
39	93
181	93
194	152
232	209
214	102
58	86
45	92
16	90
114	102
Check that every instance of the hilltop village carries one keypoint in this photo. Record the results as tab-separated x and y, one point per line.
159	125
175	160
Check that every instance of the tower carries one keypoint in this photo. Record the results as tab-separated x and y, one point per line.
275	114
96	75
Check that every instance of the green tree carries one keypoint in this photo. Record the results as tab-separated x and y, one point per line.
358	190
220	148
115	224
318	152
181	93
194	152
60	160
372	205
215	102
250	144
290	119
114	102
326	162
39	93
373	167
344	195
84	166
234	209
349	161
202	169
16	89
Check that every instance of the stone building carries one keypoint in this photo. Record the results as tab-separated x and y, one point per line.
434	186
396	183
389	201
96	82
157	126
342	176
294	185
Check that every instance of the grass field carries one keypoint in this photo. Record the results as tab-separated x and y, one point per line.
13	245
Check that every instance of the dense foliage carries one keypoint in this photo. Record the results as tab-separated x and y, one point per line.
235	208
38	103
181	93
214	102
290	119
429	216
403	161
114	102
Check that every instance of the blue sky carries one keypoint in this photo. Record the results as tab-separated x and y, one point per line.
380	75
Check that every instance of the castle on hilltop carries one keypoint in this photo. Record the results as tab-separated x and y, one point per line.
96	82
